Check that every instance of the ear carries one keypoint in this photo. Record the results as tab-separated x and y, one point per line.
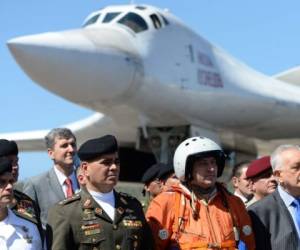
50	153
235	181
277	174
84	168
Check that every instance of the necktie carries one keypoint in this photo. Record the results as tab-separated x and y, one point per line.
296	205
70	192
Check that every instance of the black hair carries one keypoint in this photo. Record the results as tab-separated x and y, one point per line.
236	170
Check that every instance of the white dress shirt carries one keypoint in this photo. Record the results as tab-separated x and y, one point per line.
18	234
62	178
106	201
243	198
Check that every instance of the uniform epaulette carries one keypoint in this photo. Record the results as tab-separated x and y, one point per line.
127	196
71	199
23	206
20	196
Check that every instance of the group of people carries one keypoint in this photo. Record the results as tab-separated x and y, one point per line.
70	208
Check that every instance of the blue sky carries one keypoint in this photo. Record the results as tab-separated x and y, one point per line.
263	34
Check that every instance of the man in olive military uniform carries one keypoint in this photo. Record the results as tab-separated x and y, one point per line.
98	217
22	205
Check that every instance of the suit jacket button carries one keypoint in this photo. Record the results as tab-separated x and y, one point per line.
118	247
115	227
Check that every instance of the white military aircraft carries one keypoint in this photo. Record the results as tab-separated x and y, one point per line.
153	82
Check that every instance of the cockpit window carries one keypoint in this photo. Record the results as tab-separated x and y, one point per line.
134	22
91	20
140	7
110	16
155	20
165	19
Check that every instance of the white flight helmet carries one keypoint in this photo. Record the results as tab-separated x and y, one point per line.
198	147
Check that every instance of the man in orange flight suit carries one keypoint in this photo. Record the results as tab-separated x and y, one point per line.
199	213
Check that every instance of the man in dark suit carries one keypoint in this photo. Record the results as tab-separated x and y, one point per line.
276	218
60	181
98	217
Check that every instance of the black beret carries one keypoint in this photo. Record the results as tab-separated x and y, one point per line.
8	147
150	174
164	170
94	148
5	165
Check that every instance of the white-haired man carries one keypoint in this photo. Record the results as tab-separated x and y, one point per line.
276	218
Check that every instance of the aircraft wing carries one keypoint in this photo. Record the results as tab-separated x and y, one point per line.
291	76
93	126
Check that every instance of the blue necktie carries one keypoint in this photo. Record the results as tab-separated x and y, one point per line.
296	205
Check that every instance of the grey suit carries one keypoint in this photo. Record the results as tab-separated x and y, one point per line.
273	225
45	190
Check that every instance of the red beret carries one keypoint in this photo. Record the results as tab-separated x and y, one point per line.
258	166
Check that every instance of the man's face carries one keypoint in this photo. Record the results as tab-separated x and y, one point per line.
204	172
264	184
241	184
102	174
6	189
154	187
15	166
63	152
289	173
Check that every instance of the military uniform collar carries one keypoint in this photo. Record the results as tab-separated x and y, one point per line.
90	206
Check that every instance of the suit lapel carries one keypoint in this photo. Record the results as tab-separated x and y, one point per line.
288	223
282	207
55	185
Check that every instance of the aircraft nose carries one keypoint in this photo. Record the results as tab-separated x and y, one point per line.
84	65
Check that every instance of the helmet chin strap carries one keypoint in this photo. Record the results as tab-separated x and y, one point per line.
202	191
196	192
